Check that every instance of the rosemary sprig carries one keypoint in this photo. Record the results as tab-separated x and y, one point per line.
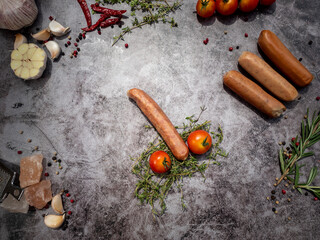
310	134
153	188
152	11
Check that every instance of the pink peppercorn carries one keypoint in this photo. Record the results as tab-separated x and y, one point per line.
46	174
293	139
230	49
126	45
76	44
204	42
19	152
316	199
284	191
297	144
68	194
69	212
69	43
246	34
318	98
72	201
50	18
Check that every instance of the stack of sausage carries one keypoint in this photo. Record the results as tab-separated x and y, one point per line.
283	59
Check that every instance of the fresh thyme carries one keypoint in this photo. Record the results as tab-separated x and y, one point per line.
153	188
150	12
310	134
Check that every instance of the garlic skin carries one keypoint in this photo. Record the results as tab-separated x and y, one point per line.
54	221
54	49
16	14
43	35
57	29
19	40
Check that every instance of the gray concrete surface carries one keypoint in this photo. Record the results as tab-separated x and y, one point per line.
79	108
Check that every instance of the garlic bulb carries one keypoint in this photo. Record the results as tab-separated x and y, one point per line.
54	49
19	40
57	29
16	14
28	61
43	35
54	221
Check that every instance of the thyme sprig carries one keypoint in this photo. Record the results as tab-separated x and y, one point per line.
310	134
153	188
150	12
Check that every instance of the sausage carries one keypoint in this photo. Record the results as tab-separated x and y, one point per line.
161	122
268	77
253	94
272	46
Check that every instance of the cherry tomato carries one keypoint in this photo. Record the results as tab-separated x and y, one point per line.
267	2
205	8
160	162
226	7
248	5
199	142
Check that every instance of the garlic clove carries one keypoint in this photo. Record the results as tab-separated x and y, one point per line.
56	204
54	221
54	49
43	35
57	29
19	40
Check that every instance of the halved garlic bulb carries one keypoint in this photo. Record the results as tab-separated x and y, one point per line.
28	61
54	221
54	49
57	29
43	35
19	40
56	204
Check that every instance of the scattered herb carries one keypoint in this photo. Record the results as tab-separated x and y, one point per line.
310	134
153	188
151	11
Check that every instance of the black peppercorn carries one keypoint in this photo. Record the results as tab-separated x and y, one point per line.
273	198
273	209
300	59
306	193
59	160
49	164
273	191
54	158
237	47
310	42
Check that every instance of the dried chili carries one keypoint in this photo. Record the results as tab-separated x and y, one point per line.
109	22
111	12
86	11
97	24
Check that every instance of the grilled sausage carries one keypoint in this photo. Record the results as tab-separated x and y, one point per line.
272	46
268	77
161	122
253	94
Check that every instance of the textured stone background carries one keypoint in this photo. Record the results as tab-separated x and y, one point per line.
79	108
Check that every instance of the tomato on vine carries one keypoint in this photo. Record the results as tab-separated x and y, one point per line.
199	141
205	8
226	7
248	5
267	2
160	162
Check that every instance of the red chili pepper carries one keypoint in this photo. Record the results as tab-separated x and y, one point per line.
111	12
85	11
97	24
109	22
